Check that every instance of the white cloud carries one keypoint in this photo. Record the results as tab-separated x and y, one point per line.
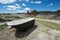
7	1
27	0
17	6
23	4
24	11
24	0
0	12
51	4
20	0
13	7
36	2
27	9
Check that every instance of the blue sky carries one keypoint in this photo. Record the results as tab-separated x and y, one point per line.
14	6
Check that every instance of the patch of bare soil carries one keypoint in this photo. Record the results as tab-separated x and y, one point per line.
8	34
38	32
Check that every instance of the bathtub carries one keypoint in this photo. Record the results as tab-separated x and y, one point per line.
22	24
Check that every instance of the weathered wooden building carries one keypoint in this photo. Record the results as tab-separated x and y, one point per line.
58	12
34	13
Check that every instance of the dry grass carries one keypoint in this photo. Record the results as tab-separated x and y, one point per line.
50	24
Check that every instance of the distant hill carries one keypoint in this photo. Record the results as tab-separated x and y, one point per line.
47	12
39	12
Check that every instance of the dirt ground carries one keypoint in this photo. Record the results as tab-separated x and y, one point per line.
38	32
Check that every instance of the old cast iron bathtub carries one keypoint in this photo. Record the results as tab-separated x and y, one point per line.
22	24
